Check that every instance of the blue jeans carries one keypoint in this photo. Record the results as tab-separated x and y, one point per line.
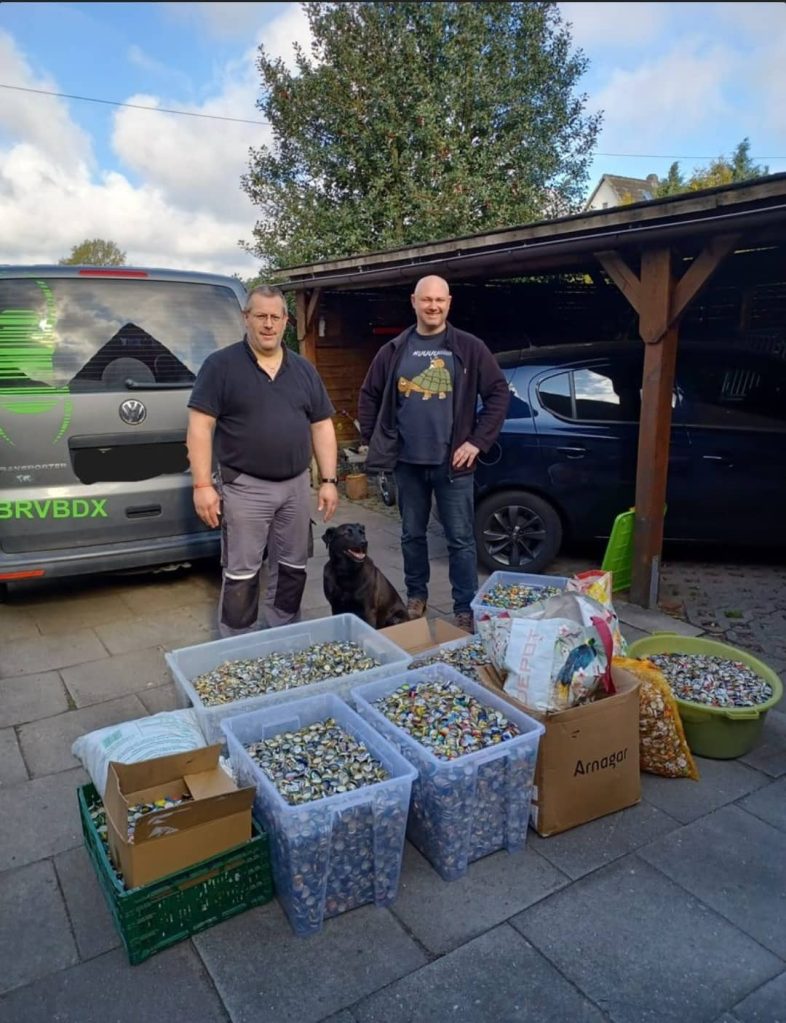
455	501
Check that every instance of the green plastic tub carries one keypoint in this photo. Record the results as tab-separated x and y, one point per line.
721	733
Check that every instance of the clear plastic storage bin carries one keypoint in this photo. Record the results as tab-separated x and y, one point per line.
480	607
338	852
465	808
435	651
189	662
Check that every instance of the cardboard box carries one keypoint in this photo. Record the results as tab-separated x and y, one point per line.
588	758
217	818
422	634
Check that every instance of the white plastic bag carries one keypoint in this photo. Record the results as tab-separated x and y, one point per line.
171	731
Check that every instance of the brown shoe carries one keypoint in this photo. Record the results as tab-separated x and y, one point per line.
416	608
465	620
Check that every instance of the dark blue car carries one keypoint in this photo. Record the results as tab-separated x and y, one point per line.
565	463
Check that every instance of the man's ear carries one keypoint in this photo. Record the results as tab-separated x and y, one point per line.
328	535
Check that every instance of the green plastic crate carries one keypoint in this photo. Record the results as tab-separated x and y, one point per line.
618	558
154	916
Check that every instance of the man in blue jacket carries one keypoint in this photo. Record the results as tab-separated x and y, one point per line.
418	413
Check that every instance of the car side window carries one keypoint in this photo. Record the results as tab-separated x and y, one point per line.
734	390
556	394
600	394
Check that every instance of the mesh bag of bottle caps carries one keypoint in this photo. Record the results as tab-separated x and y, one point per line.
333	796
663	748
475	754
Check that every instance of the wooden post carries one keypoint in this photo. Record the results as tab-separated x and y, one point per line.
660	356
305	309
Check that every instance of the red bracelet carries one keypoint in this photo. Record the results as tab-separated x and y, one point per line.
198	485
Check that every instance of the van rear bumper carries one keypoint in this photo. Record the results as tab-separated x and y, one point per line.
112	557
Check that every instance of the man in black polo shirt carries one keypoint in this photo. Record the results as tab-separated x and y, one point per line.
259	410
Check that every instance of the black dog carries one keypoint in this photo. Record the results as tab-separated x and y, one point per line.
353	583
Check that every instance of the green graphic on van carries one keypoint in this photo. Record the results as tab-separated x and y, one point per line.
55	508
27	348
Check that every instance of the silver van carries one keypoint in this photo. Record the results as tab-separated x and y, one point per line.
96	365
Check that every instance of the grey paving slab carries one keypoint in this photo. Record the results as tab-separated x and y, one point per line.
721	782
161	698
147	598
116	676
12	766
342	1017
581	850
643	949
91	920
40	818
767	1005
263	971
17	623
46	744
444	914
497	978
45	653
169	629
57	615
35	938
30	697
768	803
651	620
170	986
630	634
769	754
734	863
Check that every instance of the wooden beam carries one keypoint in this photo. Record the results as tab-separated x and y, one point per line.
300	314
312	306
700	271
622	275
306	329
660	357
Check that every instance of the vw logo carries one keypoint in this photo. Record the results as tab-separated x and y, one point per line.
133	412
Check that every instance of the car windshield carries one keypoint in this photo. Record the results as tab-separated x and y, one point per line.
99	334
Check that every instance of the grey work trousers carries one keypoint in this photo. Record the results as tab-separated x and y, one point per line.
256	513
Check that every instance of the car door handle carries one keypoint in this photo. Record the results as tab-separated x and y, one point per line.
573	452
723	459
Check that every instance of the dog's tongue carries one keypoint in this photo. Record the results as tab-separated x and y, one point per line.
358	555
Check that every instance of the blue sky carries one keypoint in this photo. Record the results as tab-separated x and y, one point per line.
681	81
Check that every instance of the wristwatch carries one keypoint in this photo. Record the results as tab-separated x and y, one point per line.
330	479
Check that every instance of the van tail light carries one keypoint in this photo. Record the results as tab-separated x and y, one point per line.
107	272
34	573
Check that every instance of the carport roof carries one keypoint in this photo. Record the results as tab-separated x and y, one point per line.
755	208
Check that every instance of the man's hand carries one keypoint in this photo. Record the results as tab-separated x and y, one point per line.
464	456
208	505
327	501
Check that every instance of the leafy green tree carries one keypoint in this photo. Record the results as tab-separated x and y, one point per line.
411	122
95	252
721	171
673	183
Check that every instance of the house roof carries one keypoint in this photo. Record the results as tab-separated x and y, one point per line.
567	243
639	189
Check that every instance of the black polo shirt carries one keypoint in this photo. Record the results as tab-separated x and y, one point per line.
263	425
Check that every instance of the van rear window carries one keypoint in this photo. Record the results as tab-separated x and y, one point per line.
104	334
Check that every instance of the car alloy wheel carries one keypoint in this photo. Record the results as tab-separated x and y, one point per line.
516	531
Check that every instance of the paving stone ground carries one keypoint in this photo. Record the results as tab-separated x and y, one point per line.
672	910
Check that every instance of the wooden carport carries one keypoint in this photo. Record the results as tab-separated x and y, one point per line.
659	254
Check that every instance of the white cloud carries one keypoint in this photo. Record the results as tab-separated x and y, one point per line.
42	121
178	204
600	25
658	104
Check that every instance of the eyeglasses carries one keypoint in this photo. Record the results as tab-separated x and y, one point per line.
272	317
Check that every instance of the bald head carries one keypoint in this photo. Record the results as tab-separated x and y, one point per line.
431	302
432	283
